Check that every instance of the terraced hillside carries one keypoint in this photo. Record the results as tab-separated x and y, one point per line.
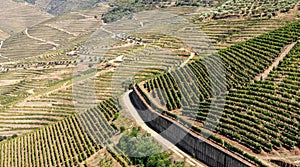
65	143
237	9
264	116
225	32
243	62
258	116
56	8
61	32
43	88
13	22
159	52
19	111
61	108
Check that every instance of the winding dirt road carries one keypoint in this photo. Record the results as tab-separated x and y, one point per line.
39	39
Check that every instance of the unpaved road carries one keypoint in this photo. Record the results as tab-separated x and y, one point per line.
1	43
127	105
34	96
62	30
110	32
39	39
192	55
286	50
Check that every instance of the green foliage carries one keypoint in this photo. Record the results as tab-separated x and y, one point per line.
242	8
262	115
57	7
114	126
73	134
144	151
194	3
116	116
122	129
127	84
14	136
122	8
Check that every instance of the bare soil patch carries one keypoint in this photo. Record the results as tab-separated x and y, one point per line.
9	82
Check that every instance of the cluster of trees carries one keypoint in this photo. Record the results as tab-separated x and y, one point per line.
121	8
144	151
244	8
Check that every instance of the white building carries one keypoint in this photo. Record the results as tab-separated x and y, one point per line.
72	53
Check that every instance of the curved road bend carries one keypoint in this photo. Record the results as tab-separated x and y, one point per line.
39	39
128	106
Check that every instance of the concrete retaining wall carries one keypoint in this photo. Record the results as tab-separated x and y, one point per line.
191	144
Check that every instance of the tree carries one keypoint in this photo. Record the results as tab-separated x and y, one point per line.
144	151
127	84
116	116
14	136
122	129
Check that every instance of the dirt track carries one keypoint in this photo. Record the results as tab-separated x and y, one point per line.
192	55
39	39
286	50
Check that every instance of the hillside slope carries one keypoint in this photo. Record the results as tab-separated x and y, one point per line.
222	94
50	35
58	7
15	17
65	143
